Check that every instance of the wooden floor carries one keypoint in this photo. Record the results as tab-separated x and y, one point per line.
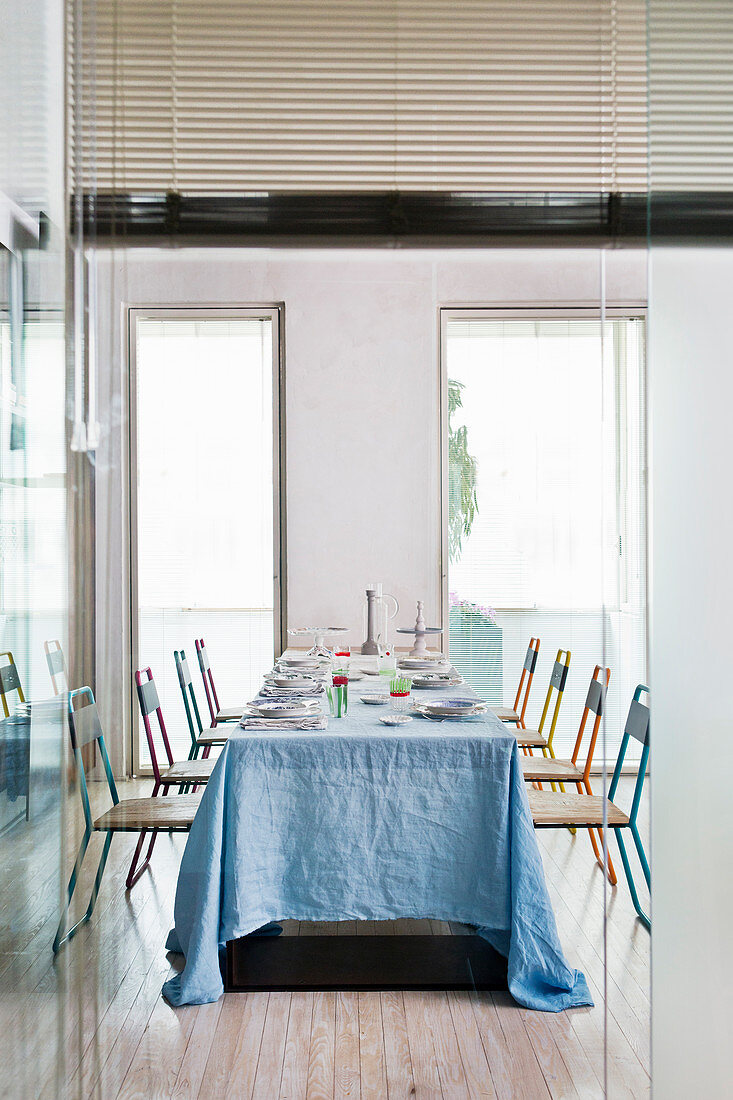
100	1005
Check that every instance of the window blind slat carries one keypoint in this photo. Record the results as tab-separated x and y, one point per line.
488	94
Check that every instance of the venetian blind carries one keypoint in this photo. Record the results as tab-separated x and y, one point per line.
314	95
691	95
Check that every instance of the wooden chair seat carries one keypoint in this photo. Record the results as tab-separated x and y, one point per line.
556	808
188	771
506	714
212	736
133	814
532	739
541	768
230	714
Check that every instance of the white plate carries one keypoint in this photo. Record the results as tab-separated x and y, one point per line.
444	680
355	675
375	700
292	681
424	666
395	719
272	709
450	710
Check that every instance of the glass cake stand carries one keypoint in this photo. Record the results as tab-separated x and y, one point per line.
319	635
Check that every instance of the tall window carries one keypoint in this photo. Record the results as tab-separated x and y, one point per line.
204	506
546	503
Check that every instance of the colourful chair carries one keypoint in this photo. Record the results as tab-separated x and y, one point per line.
131	815
567	771
9	681
528	739
56	666
200	738
586	811
515	715
218	713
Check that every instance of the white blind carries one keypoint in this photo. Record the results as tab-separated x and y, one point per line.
691	95
491	95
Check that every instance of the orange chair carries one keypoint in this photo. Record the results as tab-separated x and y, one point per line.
544	770
515	715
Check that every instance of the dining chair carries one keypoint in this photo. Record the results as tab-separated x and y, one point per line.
515	715
9	682
542	769
200	738
217	712
185	773
529	739
586	811
130	815
56	666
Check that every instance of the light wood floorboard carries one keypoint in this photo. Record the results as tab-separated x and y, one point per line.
100	1003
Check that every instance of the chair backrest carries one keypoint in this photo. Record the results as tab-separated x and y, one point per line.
558	678
637	726
56	666
9	681
147	697
84	729
187	691
525	680
209	687
594	702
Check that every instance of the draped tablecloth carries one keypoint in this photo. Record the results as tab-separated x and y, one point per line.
366	822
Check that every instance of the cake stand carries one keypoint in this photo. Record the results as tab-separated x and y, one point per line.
319	635
420	632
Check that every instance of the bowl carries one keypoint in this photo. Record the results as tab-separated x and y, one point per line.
375	700
395	719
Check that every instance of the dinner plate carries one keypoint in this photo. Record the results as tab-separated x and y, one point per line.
454	708
292	681
423	666
437	680
280	709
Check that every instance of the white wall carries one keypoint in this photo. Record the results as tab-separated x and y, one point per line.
362	408
691	398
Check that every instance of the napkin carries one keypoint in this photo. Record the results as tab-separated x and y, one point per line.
316	722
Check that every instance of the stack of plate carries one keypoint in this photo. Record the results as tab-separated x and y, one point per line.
437	680
424	664
452	708
278	708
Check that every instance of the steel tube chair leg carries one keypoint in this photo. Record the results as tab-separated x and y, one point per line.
630	878
60	939
133	875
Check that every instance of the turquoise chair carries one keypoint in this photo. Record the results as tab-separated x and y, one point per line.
554	810
200	738
130	815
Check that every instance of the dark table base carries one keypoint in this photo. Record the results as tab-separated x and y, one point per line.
289	963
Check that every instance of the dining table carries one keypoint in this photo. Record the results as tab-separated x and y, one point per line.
363	821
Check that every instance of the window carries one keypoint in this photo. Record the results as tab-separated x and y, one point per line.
546	502
205	506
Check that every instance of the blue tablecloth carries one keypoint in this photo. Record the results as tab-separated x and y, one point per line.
369	823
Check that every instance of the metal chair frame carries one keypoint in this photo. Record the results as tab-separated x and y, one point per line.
9	681
56	666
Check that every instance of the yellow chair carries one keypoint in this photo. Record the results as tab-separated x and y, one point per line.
9	681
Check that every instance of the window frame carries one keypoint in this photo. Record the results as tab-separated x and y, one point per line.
275	313
538	311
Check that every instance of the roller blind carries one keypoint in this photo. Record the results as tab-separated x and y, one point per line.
348	95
